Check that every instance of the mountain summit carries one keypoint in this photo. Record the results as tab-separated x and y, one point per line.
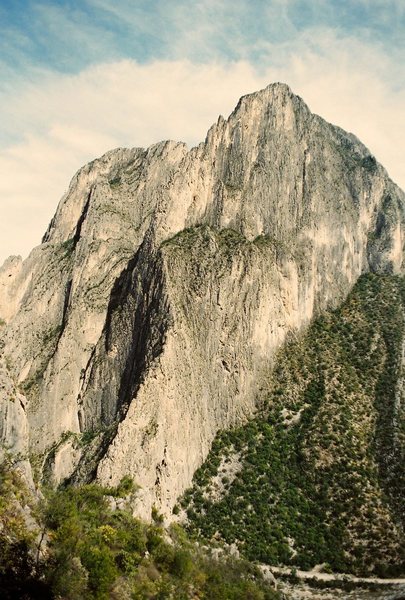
151	316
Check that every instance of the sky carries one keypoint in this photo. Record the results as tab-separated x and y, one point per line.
78	78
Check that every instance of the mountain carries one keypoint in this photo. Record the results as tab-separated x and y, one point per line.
153	314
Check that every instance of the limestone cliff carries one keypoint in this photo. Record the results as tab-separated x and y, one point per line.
169	278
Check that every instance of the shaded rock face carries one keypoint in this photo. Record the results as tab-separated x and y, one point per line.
169	277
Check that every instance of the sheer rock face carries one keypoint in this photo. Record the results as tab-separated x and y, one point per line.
169	277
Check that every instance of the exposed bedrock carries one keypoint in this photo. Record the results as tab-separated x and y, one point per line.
168	279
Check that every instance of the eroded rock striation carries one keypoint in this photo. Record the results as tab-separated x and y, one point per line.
168	279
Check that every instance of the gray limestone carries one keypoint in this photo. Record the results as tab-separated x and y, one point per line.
167	280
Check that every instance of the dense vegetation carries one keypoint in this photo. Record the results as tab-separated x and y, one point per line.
78	545
320	476
18	552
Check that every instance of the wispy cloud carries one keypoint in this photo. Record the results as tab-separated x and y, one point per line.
69	36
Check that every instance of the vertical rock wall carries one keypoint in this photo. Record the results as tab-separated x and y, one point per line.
168	279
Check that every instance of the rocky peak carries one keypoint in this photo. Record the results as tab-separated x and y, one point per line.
169	278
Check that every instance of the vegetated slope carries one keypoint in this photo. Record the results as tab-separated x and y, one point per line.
318	477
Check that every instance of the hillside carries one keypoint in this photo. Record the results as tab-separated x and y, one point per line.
318	476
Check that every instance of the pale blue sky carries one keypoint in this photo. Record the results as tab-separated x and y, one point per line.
66	36
77	78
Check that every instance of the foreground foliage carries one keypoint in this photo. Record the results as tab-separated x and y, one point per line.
83	547
320	476
18	551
